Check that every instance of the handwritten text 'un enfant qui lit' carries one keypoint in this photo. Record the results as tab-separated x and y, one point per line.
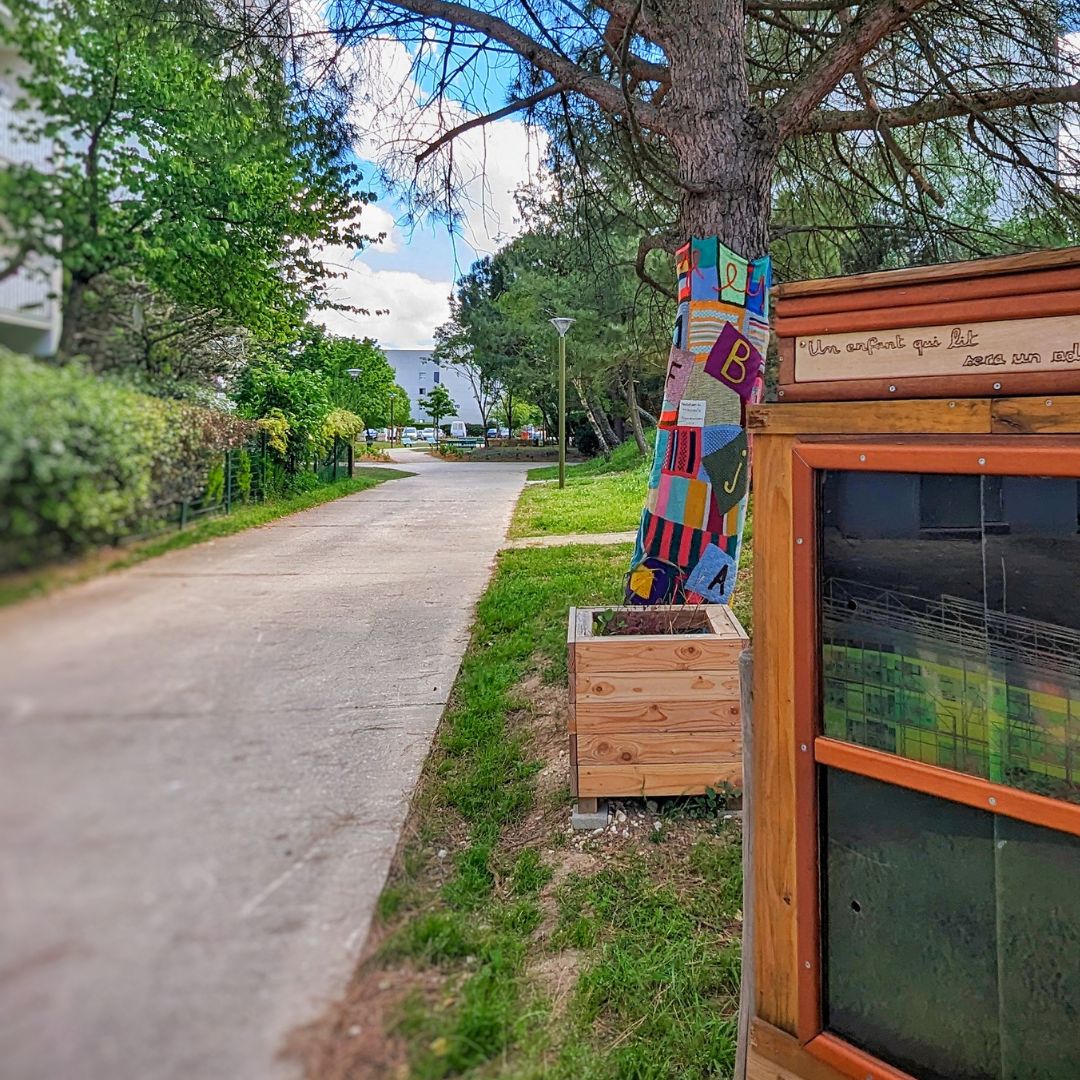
940	350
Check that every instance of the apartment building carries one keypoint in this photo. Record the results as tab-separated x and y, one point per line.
417	372
29	298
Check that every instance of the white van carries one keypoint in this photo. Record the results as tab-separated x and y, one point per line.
458	429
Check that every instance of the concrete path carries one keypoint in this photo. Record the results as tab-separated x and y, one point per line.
205	762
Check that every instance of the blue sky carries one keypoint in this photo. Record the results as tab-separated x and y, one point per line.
413	273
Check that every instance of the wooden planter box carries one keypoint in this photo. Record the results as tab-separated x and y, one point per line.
655	714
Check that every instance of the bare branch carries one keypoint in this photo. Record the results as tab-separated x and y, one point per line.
606	96
488	118
830	120
874	22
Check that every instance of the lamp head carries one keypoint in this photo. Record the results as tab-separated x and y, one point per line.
562	325
353	372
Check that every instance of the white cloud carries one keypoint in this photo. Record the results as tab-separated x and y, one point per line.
412	305
486	166
374	220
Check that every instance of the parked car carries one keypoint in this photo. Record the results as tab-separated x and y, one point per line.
428	437
458	430
371	433
492	432
409	433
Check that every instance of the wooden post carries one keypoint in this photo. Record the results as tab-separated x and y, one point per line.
746	991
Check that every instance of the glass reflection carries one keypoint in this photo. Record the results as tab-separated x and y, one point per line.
951	935
950	622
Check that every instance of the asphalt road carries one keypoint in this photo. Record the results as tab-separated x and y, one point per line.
205	762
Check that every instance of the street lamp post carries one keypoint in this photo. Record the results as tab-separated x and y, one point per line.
391	419
562	325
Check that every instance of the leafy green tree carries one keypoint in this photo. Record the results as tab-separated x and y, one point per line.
296	401
200	175
454	350
358	375
399	409
438	404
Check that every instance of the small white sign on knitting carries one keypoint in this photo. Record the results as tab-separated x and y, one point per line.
691	413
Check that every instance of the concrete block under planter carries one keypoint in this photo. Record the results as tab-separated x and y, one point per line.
655	705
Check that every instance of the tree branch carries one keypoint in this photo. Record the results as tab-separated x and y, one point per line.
885	131
661	242
488	118
827	120
17	259
609	98
875	21
795	5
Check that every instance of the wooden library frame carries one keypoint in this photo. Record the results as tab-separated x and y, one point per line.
792	443
852	338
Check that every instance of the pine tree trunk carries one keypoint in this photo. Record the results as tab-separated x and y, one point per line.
583	397
74	297
597	408
630	392
725	146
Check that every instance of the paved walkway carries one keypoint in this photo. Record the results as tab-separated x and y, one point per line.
206	761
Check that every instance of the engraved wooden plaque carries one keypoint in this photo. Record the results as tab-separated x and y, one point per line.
991	327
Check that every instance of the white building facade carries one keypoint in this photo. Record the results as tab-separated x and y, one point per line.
29	298
418	373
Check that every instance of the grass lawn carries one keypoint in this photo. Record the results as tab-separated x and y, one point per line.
47	579
623	458
507	947
605	502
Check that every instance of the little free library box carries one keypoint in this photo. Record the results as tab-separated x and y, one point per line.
912	788
993	327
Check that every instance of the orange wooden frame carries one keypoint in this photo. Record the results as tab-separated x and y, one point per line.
996	455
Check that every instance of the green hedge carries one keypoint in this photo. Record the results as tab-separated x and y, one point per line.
85	461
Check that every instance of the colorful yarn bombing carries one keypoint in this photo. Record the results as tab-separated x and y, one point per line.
688	543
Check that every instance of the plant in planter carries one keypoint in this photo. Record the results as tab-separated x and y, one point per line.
654	701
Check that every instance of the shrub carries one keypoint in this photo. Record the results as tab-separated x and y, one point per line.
86	461
299	483
243	475
215	484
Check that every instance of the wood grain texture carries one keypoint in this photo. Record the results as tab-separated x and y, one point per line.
946	416
612	717
656	653
684	778
1035	416
646	747
747	974
723	621
775	1055
969	287
659	713
573	766
1036	306
936	386
775	955
1033	261
658	687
